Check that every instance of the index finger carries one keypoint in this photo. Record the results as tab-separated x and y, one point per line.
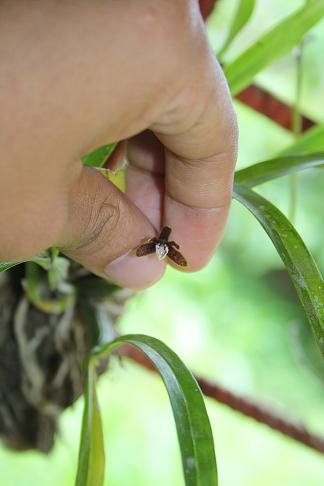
199	165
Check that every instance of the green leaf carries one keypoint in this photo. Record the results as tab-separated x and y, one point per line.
192	423
310	141
115	177
43	261
271	169
272	45
100	325
37	291
303	271
98	157
241	17
58	272
54	251
4	266
91	464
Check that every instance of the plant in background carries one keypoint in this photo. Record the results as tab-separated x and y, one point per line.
56	316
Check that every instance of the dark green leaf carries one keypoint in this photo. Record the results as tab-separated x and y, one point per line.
91	465
58	272
98	157
100	325
193	427
37	291
241	17
4	266
42	261
302	269
271	169
272	45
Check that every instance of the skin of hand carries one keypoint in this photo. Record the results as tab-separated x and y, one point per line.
81	73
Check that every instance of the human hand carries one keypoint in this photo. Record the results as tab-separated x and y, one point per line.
79	74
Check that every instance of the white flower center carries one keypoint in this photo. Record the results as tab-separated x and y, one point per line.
161	250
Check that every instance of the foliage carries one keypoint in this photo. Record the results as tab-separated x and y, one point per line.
240	19
91	458
283	37
98	157
194	434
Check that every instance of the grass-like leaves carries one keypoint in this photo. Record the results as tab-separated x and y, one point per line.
91	467
42	261
310	141
98	157
274	168
242	16
274	44
302	269
192	423
4	266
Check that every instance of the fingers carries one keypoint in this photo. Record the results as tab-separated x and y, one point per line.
187	183
199	164
165	76
103	231
145	176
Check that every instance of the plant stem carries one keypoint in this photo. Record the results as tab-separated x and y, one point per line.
296	128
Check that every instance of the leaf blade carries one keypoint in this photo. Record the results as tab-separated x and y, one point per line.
193	427
302	269
272	45
242	15
271	169
4	266
91	463
310	141
98	157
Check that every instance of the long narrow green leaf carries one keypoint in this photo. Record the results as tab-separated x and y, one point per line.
91	467
100	325
42	261
271	169
4	266
192	423
99	156
310	141
303	271
241	17
272	45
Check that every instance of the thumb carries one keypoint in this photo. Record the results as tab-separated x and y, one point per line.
104	227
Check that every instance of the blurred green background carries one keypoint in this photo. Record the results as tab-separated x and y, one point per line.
236	322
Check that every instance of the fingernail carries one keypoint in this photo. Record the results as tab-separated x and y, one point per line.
135	272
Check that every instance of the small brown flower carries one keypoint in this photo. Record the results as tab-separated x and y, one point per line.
163	247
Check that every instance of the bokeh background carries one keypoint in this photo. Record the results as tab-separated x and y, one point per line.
236	322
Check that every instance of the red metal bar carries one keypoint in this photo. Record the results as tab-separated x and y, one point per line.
206	7
264	102
259	99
